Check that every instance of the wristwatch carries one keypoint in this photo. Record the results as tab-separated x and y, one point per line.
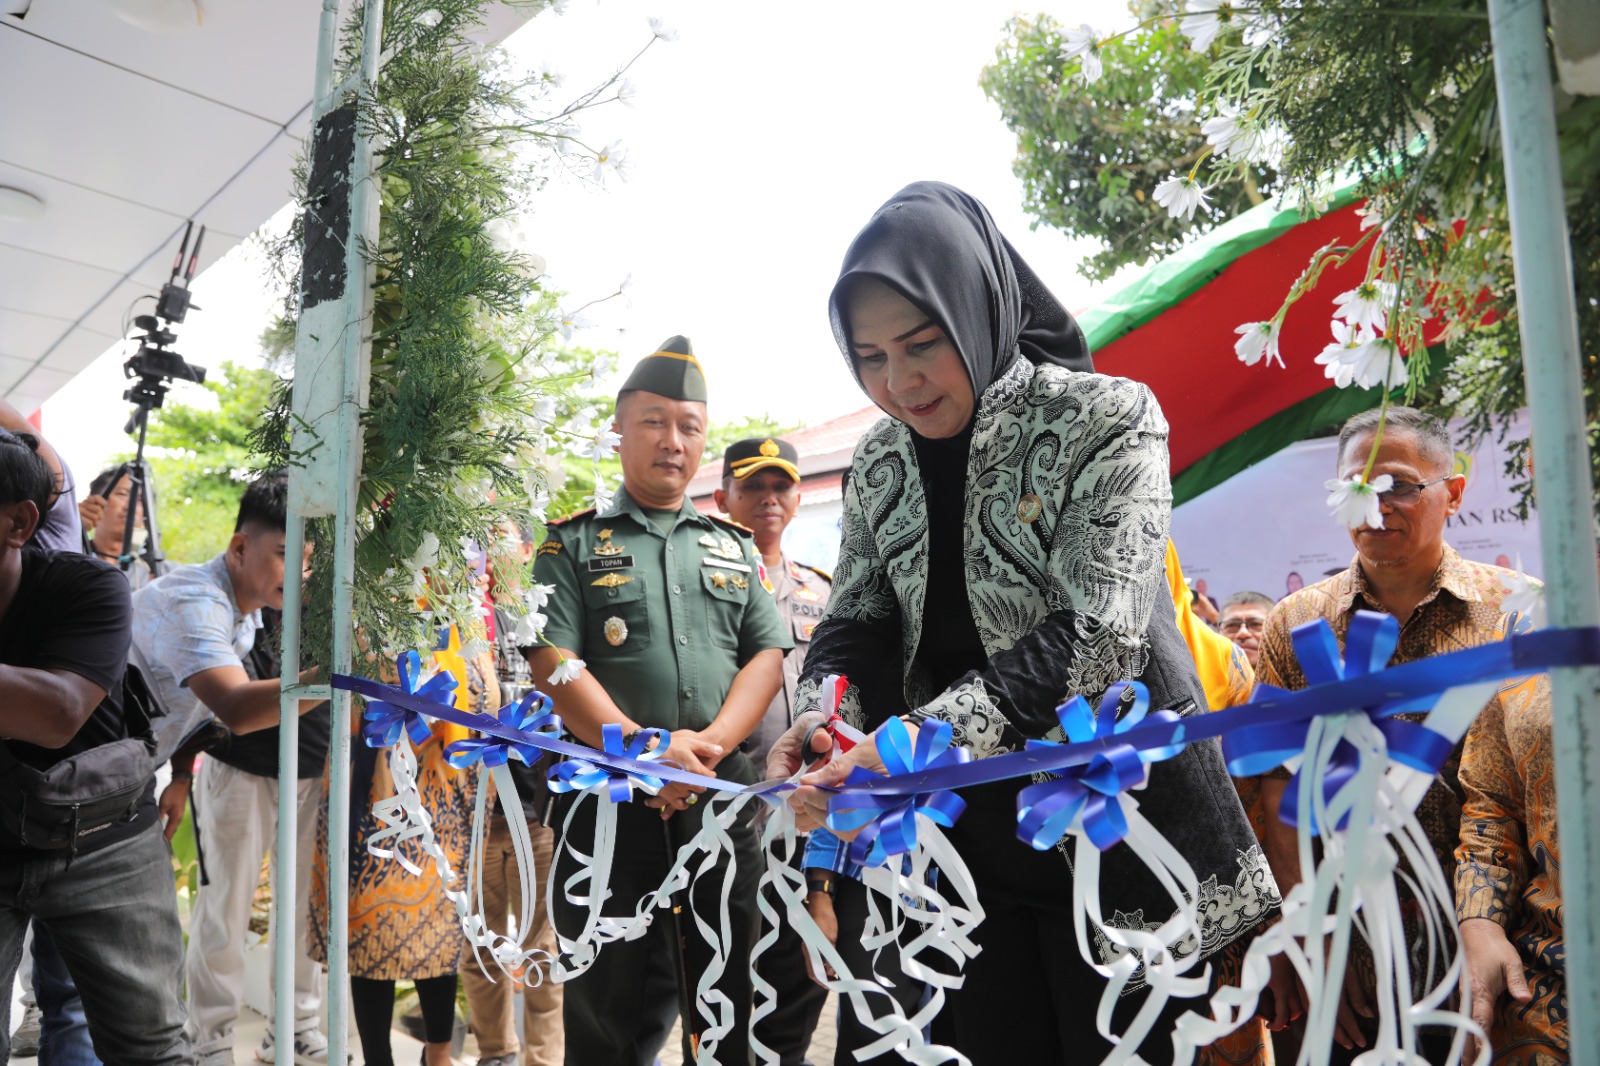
821	881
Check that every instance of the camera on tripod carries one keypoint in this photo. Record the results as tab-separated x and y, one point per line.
156	366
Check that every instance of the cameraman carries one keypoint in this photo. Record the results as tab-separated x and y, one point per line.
105	519
195	629
106	894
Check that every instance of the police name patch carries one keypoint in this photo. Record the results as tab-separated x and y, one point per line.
614	562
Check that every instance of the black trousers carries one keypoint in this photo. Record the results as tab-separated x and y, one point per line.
798	1000
621	1010
1029	996
850	908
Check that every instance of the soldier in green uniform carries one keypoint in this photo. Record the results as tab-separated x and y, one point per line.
661	619
761	490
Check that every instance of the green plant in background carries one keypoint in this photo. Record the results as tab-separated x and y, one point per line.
200	458
1210	103
471	400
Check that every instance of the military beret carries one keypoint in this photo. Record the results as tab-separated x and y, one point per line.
671	371
745	457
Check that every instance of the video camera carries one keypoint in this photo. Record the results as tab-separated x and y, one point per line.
153	364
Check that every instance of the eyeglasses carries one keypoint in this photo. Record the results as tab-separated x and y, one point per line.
1408	491
1231	626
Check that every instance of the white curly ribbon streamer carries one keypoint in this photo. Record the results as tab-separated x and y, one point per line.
509	950
947	919
1153	951
1353	888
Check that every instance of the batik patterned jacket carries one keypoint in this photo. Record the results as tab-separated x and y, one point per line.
1068	503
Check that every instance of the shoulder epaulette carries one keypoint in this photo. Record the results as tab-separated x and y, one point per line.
819	572
731	524
570	517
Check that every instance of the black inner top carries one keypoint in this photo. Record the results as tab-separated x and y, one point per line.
950	645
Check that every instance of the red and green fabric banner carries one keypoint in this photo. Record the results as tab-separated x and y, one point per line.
1173	328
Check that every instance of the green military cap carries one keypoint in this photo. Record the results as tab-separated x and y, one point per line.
745	457
671	371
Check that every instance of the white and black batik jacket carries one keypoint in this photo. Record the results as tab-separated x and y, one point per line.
1067	509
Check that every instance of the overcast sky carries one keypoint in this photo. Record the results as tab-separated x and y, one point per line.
757	144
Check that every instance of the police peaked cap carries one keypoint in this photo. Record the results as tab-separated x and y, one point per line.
745	457
671	371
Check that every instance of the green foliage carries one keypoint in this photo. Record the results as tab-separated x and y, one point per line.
1402	98
201	459
1090	156
462	432
718	437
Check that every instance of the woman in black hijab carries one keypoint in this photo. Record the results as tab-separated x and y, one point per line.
1004	533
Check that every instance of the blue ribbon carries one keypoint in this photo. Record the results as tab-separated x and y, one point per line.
385	721
1369	644
1411	686
531	714
888	824
582	774
1046	810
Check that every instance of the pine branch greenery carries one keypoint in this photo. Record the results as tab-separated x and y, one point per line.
1299	96
465	433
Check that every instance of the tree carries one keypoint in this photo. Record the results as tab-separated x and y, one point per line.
1089	159
1402	99
200	459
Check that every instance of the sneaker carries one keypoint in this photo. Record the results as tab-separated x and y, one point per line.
509	1059
310	1049
25	1041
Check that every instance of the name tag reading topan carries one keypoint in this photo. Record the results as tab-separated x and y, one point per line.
613	562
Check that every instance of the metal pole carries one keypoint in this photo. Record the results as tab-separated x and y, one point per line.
285	900
285	912
1547	318
359	274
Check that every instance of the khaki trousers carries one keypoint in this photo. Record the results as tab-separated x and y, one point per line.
490	1002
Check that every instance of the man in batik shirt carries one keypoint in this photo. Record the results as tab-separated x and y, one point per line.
1444	603
1508	890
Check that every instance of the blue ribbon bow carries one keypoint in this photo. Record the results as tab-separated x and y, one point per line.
888	823
386	721
530	714
580	775
1368	645
1045	811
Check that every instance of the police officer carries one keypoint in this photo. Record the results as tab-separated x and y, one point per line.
761	490
662	614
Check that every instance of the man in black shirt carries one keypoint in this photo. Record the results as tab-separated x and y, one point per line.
106	893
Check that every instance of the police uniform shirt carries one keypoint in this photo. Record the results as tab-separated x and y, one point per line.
801	594
663	618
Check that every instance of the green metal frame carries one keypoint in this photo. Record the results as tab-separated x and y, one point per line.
1547	318
339	362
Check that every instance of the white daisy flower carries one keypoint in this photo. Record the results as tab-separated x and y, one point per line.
567	670
1203	21
1346	338
1181	195
1258	339
603	445
1355	502
1376	361
1083	44
659	27
1365	305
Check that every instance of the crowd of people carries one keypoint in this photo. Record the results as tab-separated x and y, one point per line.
1004	547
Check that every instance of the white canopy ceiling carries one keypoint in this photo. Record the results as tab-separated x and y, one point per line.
124	133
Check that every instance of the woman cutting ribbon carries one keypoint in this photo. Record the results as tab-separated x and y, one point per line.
1004	532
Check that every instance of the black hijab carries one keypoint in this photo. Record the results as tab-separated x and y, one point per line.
938	247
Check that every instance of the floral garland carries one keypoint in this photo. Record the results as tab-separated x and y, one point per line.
473	403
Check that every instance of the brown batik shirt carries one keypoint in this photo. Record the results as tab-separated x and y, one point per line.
1461	611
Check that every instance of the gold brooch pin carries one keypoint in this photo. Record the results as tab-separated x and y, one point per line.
611	581
740	582
609	548
719	579
616	631
1029	508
